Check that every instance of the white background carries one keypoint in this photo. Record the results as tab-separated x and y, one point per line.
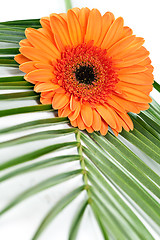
144	18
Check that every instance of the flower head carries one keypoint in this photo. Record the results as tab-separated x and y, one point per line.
90	67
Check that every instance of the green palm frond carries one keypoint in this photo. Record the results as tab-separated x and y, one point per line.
116	174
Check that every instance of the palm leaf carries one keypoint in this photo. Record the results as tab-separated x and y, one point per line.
121	187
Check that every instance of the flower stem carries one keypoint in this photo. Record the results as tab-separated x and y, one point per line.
68	4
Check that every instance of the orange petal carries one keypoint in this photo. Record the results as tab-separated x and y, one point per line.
83	19
142	106
46	100
106	115
74	123
89	129
45	22
43	87
136	78
80	123
36	54
128	105
127	120
59	27
104	128
115	105
135	95
60	100
136	44
115	132
75	114
107	20
120	46
24	43
21	59
96	125
41	75
66	111
87	114
94	26
126	32
73	103
114	33
144	88
38	40
132	69
40	65
76	10
74	27
27	66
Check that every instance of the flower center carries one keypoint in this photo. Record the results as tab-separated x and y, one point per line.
86	72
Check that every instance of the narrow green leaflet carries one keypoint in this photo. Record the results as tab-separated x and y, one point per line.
19	96
39	165
56	209
9	51
50	182
8	61
38	136
35	154
28	109
76	221
35	124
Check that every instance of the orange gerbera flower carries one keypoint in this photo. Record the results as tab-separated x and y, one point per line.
90	67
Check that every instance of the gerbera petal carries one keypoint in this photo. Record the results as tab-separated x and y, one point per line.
21	59
66	111
135	95
73	103
114	33
40	65
60	28
89	129
96	125
106	115
104	128
80	123
36	54
83	19
43	87
115	132
128	105
46	100
127	120
45	22
75	114
27	66
74	28
115	105
38	40
126	32
41	75
144	88
24	43
74	123
60	100
120	46
132	69
87	114
136	44
136	78
94	26
107	20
